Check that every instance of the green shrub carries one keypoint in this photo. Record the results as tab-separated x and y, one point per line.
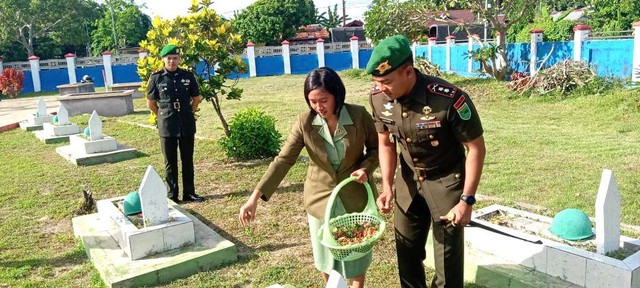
356	74
554	31
253	135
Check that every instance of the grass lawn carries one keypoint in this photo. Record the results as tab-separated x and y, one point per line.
540	151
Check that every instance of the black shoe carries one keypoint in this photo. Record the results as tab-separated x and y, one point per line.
175	199
192	198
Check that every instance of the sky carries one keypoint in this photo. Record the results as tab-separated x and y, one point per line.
170	9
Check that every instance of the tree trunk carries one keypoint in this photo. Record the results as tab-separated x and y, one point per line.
225	126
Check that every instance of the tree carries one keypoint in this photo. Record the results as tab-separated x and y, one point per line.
554	30
204	36
614	15
389	17
331	18
130	23
26	22
271	21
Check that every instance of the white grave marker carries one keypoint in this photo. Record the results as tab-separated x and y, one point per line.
42	108
153	199
95	126
63	115
336	280
607	214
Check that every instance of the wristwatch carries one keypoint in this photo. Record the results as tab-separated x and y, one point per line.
469	199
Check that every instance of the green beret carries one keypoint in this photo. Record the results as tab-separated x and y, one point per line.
388	55
169	49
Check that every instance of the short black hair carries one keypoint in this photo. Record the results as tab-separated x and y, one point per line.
327	80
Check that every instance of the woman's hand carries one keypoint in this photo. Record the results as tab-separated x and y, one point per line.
248	210
361	175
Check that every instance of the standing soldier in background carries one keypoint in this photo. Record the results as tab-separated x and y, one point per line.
173	96
433	122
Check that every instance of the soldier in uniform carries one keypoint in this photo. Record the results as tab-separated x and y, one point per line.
173	96
434	123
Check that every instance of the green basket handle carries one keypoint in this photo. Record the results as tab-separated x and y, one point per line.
370	209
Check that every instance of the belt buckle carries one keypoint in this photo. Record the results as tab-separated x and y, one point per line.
421	172
176	105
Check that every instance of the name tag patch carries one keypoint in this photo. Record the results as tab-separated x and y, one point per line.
428	125
387	121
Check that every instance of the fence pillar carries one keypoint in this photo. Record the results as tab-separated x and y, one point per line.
498	39
1	67
580	34
142	53
320	52
71	67
470	48
432	42
450	41
536	36
636	53
286	58
251	57
34	61
355	59
108	74
414	48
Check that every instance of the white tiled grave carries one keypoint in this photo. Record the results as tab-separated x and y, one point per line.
165	228
555	257
60	131
95	149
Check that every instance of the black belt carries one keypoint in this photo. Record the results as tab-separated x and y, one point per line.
431	172
175	105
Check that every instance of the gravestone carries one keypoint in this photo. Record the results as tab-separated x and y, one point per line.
153	199
607	214
336	280
96	148
60	131
35	120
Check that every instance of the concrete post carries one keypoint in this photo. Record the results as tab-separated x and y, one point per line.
71	67
499	63
580	34
34	61
320	52
470	48
414	47
286	57
107	63
450	41
536	36
251	57
355	57
142	53
1	67
432	42
636	53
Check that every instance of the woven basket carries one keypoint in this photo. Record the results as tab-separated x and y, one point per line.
370	213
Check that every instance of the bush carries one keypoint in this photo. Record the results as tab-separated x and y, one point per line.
253	135
356	74
554	31
11	82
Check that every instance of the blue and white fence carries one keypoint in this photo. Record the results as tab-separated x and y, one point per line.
618	58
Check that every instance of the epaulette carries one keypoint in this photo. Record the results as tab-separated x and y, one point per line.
157	72
442	89
375	90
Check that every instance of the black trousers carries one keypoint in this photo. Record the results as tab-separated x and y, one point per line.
170	147
411	231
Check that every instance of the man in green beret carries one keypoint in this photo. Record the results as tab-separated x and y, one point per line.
442	152
173	96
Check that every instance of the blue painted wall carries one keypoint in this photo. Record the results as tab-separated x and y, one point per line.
302	64
338	61
422	51
561	51
53	78
518	53
363	58
439	56
476	65
269	65
459	59
28	82
234	75
125	73
611	58
93	72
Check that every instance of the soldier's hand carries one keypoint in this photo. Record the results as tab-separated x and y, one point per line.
385	202
361	175
459	215
248	212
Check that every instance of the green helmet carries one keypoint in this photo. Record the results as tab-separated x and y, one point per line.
571	224
131	203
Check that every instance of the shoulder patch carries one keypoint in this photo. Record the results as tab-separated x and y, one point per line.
375	90
442	90
157	72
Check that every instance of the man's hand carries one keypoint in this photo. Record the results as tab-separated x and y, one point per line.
361	175
385	201
459	215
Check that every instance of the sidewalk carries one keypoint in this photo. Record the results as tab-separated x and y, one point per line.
13	111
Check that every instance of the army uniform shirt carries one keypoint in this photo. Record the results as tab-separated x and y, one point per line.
429	124
173	92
